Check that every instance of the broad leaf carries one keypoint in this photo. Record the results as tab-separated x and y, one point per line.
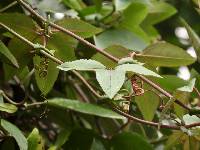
35	140
136	68
130	141
19	22
79	27
82	64
110	81
159	11
165	54
194	38
16	133
86	108
132	19
148	104
7	107
97	145
98	4
6	55
189	87
121	37
74	4
46	82
115	50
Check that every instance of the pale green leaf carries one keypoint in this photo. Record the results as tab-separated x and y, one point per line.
136	68
189	87
74	4
35	140
82	64
16	133
85	108
6	55
165	54
190	119
9	108
110	81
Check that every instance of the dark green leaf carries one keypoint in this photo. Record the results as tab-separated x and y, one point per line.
86	108
6	55
148	104
165	54
110	81
16	133
19	22
130	141
45	82
79	27
115	50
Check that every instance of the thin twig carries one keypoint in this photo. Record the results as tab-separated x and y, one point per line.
8	6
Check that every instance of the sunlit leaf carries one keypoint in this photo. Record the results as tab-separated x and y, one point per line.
7	107
110	81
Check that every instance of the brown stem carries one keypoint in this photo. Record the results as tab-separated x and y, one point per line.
26	6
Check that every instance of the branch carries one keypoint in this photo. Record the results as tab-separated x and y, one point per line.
90	87
27	7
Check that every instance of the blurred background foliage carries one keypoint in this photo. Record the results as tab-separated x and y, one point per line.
119	27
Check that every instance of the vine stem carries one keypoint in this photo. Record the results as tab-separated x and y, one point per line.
56	60
8	6
106	54
84	81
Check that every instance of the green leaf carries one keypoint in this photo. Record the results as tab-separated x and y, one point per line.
63	45
97	145
6	55
136	68
16	133
63	136
82	64
74	4
9	108
121	37
79	27
98	4
130	141
173	139
194	38
35	140
165	54
184	98
110	81
19	22
85	108
115	50
189	87
148	104
159	11
45	83
132	19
